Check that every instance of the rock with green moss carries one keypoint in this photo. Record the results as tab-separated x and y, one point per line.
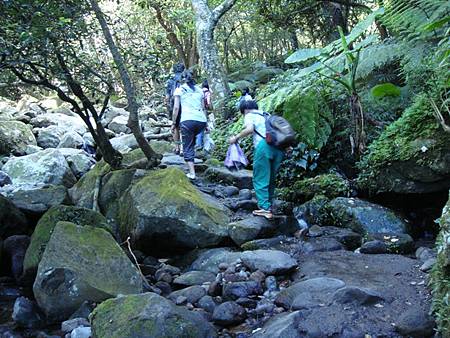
46	226
266	74
440	275
12	220
411	156
146	316
329	185
395	243
48	166
164	211
82	263
14	137
313	212
365	217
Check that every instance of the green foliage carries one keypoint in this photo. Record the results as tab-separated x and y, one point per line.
385	89
329	185
440	275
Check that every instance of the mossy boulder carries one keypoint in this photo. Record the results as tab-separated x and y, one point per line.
266	74
82	263
164	211
440	275
46	226
12	220
241	179
146	316
411	156
14	137
365	217
313	212
48	166
329	185
243	84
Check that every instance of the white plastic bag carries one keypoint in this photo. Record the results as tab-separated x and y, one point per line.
208	143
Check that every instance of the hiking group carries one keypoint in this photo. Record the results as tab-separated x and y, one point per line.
188	105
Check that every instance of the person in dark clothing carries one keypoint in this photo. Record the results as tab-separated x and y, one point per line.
173	83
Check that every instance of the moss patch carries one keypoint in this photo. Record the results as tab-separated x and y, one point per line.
46	225
329	185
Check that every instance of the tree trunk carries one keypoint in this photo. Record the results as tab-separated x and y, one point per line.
205	22
133	119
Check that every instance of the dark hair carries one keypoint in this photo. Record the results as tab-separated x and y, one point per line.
178	68
205	84
247	105
188	78
245	91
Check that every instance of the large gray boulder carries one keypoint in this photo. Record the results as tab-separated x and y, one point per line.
146	316
119	125
44	167
71	139
14	137
163	211
66	123
365	217
82	263
209	260
50	137
79	161
283	325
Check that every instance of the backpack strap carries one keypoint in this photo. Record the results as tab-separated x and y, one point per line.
254	128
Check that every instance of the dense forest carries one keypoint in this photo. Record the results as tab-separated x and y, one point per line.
102	232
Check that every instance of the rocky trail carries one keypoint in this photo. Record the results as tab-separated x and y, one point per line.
206	266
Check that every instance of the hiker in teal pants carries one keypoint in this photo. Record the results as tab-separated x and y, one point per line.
266	159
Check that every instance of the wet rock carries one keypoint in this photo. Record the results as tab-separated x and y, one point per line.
415	323
45	167
313	212
65	278
235	290
194	278
356	295
365	217
271	283
164	287
72	324
165	209
308	293
350	239
215	289
15	248
282	325
148	315
270	262
192	294
12	220
207	303
374	247
257	276
229	313
26	314
248	205
241	179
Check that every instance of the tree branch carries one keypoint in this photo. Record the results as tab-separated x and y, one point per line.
220	10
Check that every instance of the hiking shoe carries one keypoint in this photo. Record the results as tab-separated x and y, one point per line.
264	213
190	176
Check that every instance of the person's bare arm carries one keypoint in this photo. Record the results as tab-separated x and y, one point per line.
245	132
176	110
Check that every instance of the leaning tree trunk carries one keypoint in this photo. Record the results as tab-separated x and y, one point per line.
133	119
205	22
